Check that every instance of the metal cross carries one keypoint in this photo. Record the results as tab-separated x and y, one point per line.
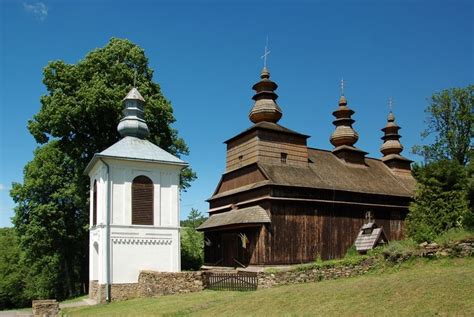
342	86
264	56
135	78
369	216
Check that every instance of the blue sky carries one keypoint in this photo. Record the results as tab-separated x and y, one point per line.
206	57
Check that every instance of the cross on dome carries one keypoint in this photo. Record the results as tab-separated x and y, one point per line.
265	54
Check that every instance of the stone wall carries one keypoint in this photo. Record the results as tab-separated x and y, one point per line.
286	277
150	284
162	283
45	308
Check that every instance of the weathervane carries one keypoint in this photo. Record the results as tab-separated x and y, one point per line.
264	56
342	86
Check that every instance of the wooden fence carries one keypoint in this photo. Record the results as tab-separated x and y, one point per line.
241	281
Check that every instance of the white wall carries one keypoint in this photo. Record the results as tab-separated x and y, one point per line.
134	247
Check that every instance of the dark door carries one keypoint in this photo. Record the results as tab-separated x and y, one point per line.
230	250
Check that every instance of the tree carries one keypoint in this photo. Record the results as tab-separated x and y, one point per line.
79	117
451	121
11	271
445	185
441	200
192	242
51	224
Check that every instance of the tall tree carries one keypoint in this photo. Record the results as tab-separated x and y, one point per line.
78	117
451	121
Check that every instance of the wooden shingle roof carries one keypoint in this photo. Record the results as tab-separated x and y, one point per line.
249	215
327	171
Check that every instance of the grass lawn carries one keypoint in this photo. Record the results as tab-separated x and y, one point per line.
417	288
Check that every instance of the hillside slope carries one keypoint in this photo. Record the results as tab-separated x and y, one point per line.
419	288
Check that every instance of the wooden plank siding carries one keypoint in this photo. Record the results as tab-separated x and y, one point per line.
266	146
300	232
241	177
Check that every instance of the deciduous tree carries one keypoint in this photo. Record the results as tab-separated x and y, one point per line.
79	117
450	121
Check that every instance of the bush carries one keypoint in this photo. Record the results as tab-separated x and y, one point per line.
441	200
399	250
192	242
12	283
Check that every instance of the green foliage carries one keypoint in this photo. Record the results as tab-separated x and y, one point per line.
397	250
454	234
79	117
52	233
451	121
11	271
192	242
441	200
351	258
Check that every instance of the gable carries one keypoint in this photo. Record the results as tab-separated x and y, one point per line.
247	175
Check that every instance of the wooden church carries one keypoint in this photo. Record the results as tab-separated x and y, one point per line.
280	202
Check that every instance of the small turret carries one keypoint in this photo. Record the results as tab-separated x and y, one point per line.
344	137
265	107
133	124
391	147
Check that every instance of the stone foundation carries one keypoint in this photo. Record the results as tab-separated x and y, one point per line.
118	292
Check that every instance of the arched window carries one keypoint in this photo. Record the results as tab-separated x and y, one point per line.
94	204
142	201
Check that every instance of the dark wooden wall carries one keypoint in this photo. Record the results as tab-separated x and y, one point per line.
302	231
299	232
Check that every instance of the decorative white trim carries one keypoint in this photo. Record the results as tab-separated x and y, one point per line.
138	241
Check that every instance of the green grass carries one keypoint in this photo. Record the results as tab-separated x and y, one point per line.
455	234
74	300
416	288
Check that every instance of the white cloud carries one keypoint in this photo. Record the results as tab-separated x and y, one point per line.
38	9
2	187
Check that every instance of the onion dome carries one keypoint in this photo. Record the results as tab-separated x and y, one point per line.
391	144
265	107
133	124
344	133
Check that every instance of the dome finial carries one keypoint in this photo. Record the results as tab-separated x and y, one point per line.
133	124
344	133
391	138
265	107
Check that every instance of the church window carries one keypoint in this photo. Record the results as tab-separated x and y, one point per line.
142	201
283	157
94	204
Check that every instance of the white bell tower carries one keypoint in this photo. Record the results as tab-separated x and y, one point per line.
134	209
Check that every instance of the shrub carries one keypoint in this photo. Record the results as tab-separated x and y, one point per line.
441	200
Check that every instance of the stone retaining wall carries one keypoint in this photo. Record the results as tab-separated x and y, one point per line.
272	279
45	308
161	283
